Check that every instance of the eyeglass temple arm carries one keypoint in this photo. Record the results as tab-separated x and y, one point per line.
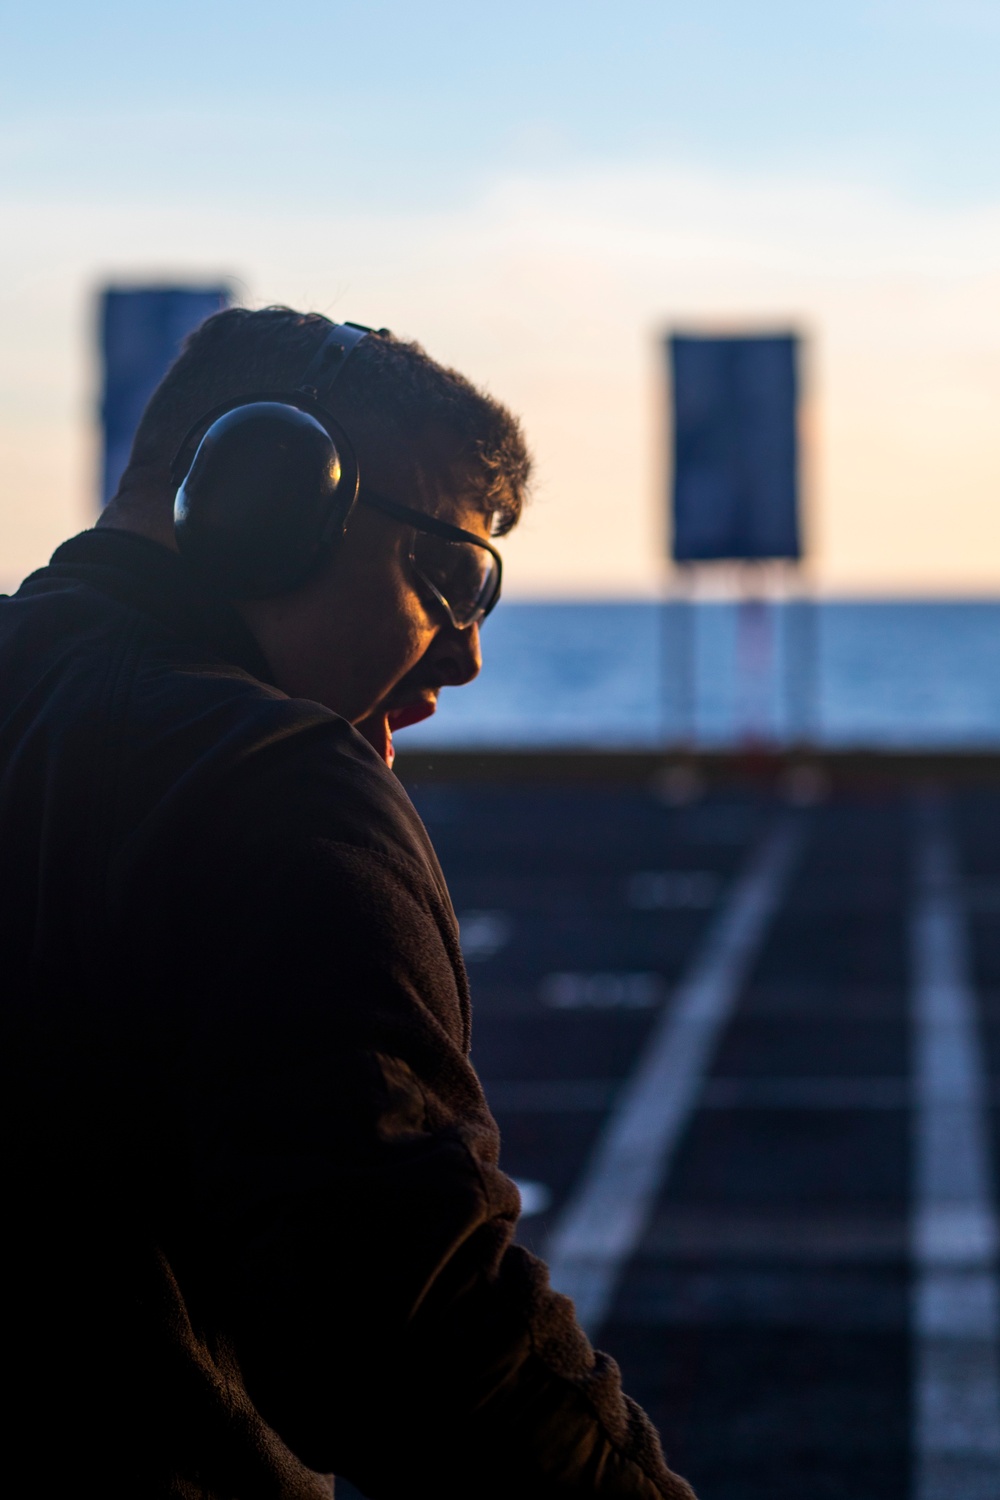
422	521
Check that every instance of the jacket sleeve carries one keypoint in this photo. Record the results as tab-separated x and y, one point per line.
349	1217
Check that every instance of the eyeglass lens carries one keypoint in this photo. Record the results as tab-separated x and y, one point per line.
465	576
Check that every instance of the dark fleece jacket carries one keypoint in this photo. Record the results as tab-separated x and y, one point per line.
255	1228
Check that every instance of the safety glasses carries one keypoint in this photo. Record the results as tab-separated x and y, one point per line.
461	570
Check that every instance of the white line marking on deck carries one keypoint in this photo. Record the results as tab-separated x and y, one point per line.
483	933
535	1196
672	890
602	1223
956	1306
628	991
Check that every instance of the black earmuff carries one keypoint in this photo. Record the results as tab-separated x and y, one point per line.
266	485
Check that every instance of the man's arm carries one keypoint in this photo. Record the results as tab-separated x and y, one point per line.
347	1168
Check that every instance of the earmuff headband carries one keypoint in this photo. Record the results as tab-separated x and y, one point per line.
331	357
324	368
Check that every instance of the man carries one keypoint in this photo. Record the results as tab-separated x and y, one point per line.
256	1229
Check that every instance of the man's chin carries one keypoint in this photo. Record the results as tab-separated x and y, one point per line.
378	729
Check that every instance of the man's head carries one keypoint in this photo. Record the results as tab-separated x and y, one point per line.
362	634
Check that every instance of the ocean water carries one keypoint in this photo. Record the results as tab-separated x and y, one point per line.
842	674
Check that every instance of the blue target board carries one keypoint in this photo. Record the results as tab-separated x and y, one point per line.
141	330
735	470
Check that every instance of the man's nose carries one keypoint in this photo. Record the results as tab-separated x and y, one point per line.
456	654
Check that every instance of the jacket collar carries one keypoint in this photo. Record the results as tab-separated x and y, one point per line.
150	578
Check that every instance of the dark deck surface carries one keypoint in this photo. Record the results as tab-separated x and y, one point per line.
764	1317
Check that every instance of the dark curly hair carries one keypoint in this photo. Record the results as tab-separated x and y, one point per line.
237	352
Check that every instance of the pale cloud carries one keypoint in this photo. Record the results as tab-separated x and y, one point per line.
554	291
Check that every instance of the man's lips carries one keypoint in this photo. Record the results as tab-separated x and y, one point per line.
410	713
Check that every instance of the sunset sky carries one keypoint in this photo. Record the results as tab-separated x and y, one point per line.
538	192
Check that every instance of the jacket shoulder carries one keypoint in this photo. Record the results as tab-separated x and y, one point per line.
208	740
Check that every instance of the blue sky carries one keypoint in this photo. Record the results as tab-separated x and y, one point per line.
538	191
427	100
